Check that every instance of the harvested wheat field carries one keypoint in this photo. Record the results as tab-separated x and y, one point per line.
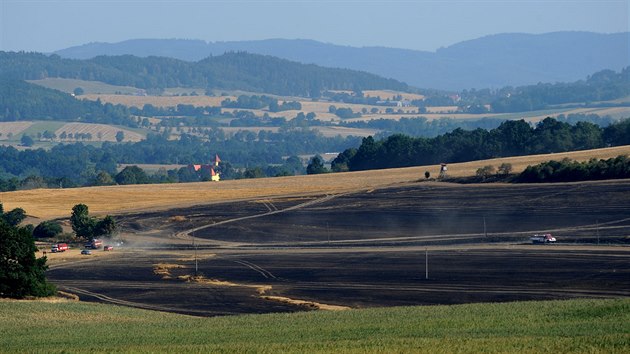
107	132
159	101
8	129
54	203
387	94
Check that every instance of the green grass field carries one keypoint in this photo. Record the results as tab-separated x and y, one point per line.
593	326
41	126
68	86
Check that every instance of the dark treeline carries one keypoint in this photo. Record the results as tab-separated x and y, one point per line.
572	171
20	100
422	127
188	110
602	86
230	71
511	138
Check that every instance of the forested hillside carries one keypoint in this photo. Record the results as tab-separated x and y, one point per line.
241	71
602	86
508	59
20	100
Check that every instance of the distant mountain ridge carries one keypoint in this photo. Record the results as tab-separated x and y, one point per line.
510	59
230	71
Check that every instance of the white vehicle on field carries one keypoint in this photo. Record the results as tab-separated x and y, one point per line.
542	238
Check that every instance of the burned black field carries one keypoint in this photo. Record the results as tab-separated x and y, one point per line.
368	249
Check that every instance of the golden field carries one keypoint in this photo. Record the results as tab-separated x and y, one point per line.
108	132
385	94
55	203
158	101
13	129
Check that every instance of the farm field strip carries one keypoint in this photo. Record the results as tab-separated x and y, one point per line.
119	199
12	130
159	101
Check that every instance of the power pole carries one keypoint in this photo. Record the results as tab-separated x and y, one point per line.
597	230
485	232
328	232
195	250
426	263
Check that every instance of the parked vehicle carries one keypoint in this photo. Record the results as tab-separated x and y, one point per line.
108	248
88	252
94	244
542	238
59	247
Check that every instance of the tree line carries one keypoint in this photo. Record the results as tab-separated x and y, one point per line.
78	164
604	85
511	138
568	170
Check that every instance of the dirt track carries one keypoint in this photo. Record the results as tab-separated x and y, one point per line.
368	249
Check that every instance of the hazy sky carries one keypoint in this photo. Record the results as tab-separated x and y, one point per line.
48	25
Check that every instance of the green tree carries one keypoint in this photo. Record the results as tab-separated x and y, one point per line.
316	166
120	136
21	273
505	169
26	140
14	217
132	175
47	229
485	171
427	174
78	91
105	227
103	179
82	224
340	163
255	172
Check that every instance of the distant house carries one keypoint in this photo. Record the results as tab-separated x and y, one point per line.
403	103
211	169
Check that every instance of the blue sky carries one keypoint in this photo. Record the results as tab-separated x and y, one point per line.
48	25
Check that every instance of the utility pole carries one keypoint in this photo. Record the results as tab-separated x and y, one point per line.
485	232
328	232
426	263
597	230
195	250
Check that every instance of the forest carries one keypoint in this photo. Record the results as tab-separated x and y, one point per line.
511	138
571	171
78	164
20	100
604	85
230	71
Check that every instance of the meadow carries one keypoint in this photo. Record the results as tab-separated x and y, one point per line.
573	326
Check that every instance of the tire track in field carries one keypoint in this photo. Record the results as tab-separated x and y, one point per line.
108	299
468	288
186	233
265	273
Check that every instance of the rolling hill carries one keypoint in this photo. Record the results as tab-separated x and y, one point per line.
510	59
234	70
